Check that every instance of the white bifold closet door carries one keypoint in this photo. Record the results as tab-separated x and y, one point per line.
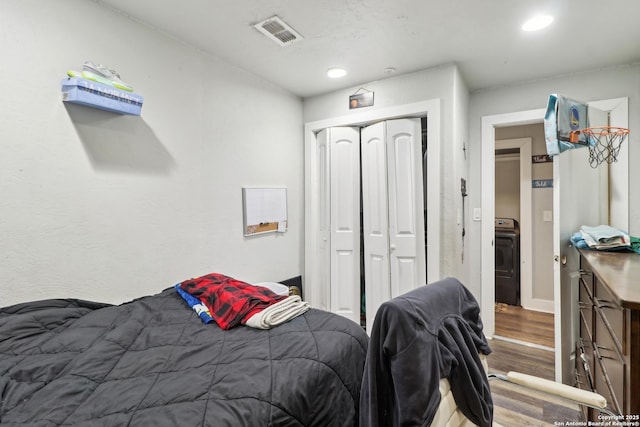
339	220
390	155
393	211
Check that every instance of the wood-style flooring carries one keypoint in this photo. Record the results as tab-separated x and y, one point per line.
513	404
520	324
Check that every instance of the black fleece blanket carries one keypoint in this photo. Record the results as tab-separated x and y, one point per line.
152	362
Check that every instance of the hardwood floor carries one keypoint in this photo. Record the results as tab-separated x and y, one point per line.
515	405
517	323
508	356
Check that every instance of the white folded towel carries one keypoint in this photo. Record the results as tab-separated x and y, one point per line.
278	313
604	237
603	233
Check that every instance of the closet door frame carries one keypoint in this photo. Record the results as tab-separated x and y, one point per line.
312	283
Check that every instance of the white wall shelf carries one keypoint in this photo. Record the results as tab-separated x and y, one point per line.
85	92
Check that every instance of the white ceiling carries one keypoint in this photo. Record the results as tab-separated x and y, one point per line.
368	36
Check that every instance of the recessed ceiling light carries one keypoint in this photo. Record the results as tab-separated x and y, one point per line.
336	73
537	23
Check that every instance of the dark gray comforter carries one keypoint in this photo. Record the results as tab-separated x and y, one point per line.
152	362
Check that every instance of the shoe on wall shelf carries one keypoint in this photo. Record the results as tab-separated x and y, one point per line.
99	87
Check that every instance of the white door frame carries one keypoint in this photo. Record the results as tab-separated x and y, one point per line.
526	224
619	117
428	108
488	206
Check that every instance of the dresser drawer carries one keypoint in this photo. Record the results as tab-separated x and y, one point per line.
584	365
611	315
609	377
604	337
579	382
585	305
615	328
586	276
585	331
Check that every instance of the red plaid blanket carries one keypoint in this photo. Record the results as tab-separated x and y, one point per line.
229	301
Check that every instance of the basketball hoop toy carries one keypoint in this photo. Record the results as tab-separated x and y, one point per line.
604	143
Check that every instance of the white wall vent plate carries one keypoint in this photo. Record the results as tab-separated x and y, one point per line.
278	30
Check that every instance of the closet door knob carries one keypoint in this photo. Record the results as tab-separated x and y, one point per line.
393	247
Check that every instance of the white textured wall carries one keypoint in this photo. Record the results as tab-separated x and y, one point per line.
453	170
507	191
106	207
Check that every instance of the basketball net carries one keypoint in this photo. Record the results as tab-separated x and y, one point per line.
604	143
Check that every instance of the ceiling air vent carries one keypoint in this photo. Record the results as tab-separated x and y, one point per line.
279	31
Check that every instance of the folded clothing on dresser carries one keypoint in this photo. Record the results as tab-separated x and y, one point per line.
605	238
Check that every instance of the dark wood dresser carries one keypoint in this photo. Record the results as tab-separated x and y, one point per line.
608	347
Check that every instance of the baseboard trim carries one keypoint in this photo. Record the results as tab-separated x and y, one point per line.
524	343
543	305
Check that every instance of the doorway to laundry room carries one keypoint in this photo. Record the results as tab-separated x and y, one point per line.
523	237
607	190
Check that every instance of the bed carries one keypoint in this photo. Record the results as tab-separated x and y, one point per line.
153	362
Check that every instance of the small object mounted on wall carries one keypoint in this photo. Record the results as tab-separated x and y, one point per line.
604	143
541	158
568	125
100	87
362	98
542	183
76	90
264	210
